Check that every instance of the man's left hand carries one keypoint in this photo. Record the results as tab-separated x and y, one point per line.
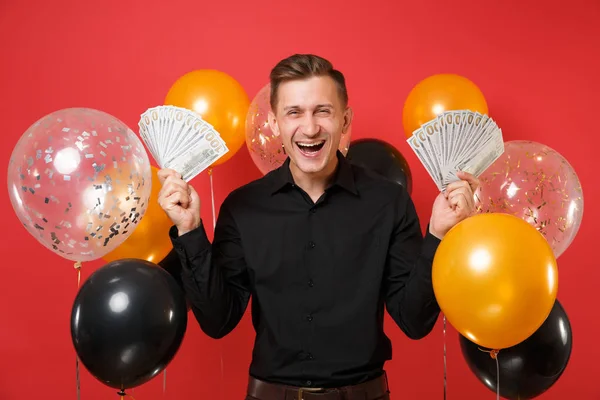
453	205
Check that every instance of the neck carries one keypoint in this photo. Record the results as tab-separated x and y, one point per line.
314	184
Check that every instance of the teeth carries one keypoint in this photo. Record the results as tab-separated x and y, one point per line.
310	144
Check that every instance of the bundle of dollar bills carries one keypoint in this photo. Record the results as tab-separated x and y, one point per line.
180	139
460	140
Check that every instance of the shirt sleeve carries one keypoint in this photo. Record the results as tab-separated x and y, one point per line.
410	299
214	277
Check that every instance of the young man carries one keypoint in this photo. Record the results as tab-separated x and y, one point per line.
322	246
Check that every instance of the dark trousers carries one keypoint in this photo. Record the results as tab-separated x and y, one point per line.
385	397
376	389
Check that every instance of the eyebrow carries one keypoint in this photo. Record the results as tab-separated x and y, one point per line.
325	105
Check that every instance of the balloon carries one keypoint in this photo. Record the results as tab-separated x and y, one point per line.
437	94
495	279
530	368
79	180
265	148
382	158
219	99
150	241
533	182
127	322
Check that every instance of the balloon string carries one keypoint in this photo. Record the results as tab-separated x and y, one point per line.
494	355
445	366
77	378
214	216
164	381
77	266
222	373
497	378
123	394
212	197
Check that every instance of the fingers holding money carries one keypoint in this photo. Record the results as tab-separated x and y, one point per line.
461	203
460	198
178	198
173	183
470	179
164	173
174	190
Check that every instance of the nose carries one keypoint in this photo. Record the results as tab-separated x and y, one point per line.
310	128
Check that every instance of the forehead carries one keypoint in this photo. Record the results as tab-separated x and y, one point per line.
308	93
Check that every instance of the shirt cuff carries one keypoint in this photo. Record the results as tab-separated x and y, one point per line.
190	244
430	245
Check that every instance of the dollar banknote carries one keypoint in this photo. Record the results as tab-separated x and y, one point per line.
457	140
179	139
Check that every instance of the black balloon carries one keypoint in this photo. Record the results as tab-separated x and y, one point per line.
382	158
128	321
529	368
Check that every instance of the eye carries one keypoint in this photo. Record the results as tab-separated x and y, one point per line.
292	112
324	111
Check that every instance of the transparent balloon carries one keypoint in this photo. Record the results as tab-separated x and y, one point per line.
535	183
266	148
79	180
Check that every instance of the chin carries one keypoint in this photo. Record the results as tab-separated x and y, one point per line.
310	168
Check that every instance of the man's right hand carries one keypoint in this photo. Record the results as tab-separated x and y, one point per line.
179	200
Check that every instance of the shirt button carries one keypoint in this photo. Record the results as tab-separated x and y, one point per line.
311	283
309	318
311	245
310	357
308	383
313	210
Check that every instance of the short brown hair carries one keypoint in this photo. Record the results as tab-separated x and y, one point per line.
303	66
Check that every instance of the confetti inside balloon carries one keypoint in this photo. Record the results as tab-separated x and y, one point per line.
266	149
79	180
535	183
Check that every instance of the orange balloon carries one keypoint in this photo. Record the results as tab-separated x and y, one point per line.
495	279
437	94
150	240
219	99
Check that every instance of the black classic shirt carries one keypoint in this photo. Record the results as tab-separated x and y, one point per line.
320	275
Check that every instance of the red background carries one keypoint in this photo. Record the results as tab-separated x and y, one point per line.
536	62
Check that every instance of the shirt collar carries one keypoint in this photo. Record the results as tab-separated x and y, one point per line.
344	176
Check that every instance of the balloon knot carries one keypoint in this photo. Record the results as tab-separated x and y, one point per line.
494	354
121	393
77	265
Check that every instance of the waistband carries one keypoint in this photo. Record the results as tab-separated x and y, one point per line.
370	390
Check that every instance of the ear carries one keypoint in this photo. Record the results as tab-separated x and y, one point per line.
348	115
273	123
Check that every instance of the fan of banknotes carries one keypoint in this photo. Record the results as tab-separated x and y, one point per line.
460	140
181	140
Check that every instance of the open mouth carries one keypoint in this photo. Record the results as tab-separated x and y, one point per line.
310	149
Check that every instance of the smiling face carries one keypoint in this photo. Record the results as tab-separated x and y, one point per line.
310	117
